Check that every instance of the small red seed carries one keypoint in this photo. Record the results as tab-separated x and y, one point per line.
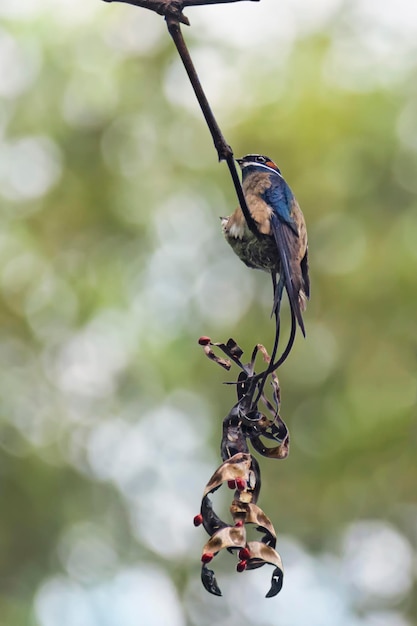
244	554
240	484
231	484
198	520
207	557
204	341
241	566
239	523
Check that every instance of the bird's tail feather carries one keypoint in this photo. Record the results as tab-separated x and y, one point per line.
285	253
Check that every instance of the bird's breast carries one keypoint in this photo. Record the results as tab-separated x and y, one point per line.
261	213
254	186
256	252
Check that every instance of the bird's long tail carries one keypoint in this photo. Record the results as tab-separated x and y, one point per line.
278	290
279	231
273	365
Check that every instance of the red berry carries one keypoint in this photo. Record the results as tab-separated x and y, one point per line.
231	484
244	554
241	566
240	484
204	341
207	557
239	523
198	520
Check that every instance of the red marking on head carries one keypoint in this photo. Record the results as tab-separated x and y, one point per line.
239	523
241	566
198	520
240	484
271	164
204	341
231	484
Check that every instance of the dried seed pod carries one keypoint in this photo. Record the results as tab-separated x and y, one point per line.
240	470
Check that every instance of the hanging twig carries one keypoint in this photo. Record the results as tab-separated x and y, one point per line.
173	8
224	151
167	8
195	3
244	423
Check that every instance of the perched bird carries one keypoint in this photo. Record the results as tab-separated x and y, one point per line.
280	243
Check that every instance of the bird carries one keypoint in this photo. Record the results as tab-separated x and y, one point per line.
279	242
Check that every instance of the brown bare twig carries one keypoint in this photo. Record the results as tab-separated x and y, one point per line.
168	8
224	151
172	10
196	3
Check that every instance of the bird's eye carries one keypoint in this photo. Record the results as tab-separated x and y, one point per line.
261	159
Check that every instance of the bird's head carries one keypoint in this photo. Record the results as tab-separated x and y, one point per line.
264	163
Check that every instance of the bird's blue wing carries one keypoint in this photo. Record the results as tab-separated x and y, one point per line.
284	230
280	198
284	238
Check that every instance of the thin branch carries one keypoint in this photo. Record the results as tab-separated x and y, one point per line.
224	151
173	8
196	3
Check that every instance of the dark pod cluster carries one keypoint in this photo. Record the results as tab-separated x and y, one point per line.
240	471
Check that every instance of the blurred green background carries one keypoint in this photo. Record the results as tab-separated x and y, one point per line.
113	264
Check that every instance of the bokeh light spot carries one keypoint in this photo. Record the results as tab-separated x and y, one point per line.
20	64
338	243
378	560
29	167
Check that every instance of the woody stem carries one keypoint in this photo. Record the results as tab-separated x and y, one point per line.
224	151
